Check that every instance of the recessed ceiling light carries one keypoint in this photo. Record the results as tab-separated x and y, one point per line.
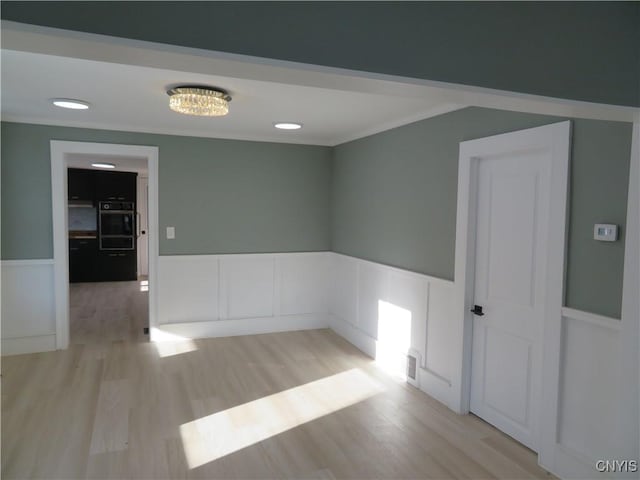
70	103
103	165
288	125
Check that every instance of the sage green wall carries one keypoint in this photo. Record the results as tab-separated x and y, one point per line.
580	50
392	195
394	198
223	196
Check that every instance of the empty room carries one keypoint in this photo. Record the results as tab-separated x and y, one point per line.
320	240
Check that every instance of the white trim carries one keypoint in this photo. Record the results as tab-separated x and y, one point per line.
241	326
268	138
153	229
142	189
432	112
217	256
60	242
573	464
391	268
592	318
556	136
138	128
27	263
630	325
354	335
59	151
31	344
435	385
634	203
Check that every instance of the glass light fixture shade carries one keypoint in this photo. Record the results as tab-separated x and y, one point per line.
201	101
288	125
70	103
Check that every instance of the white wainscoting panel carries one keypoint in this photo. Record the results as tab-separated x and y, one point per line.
343	302
440	335
591	414
373	304
408	291
248	285
372	283
225	295
303	283
188	288
28	307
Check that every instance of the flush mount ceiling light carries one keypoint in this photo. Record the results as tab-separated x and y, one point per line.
103	165
288	125
199	100
70	103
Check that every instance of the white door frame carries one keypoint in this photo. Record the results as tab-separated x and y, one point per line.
142	257
59	153
557	138
630	325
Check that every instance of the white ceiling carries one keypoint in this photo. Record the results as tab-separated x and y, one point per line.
134	98
125	81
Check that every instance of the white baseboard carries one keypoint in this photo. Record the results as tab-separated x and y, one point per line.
571	465
20	345
436	386
244	326
356	337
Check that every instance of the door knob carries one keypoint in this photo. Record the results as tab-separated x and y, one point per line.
477	310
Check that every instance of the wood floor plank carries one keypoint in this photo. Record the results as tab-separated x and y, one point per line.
111	422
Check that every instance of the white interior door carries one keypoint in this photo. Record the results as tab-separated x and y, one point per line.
512	222
143	226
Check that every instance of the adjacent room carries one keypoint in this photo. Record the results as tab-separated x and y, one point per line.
320	240
107	223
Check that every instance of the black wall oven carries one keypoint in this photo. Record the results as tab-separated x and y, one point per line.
116	227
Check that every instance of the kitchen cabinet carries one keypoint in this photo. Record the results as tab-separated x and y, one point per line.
117	265
115	186
89	264
83	260
88	231
81	185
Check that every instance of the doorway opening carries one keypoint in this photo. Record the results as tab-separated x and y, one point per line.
105	246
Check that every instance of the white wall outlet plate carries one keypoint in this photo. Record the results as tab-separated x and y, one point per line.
171	233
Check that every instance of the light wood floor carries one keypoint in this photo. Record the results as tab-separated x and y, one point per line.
115	406
107	312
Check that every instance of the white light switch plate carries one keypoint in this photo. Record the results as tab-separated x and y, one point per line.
171	233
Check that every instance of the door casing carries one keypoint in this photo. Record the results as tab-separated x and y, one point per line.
59	153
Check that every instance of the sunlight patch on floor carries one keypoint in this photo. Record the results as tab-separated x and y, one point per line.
169	344
212	437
